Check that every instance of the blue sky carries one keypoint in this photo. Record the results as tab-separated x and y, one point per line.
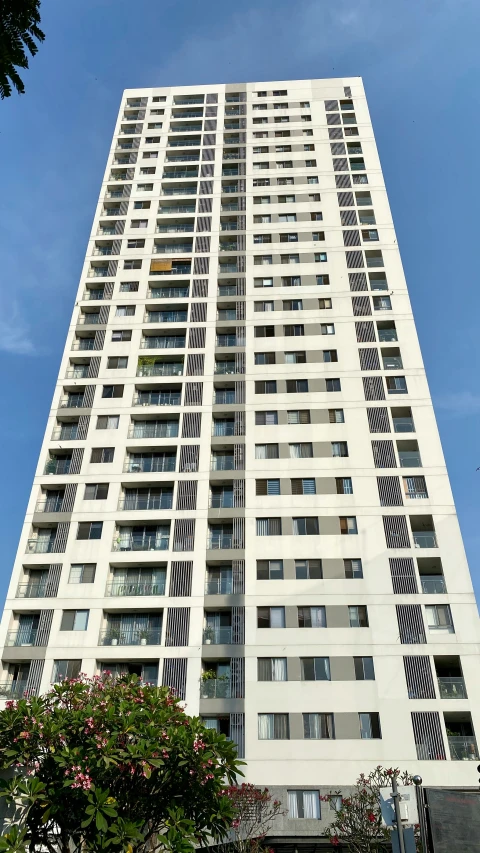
420	63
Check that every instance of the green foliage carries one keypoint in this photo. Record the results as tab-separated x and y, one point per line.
103	764
19	26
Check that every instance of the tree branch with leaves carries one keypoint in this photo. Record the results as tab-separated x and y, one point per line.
19	28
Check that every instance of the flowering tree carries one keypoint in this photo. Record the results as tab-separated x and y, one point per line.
255	811
99	764
358	819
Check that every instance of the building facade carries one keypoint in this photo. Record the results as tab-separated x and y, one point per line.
241	492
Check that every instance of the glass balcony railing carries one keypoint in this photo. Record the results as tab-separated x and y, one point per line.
68	432
228	247
58	466
50	505
215	636
147	542
392	362
187	114
226	314
425	540
179	190
403	425
93	295
163	342
463	748
122	588
225	368
452	687
153	430
72	402
227	341
142	502
219	541
12	689
387	335
186	128
22	637
114	637
160	370
40	546
434	584
223	428
224	398
165	316
180	143
232	206
218	586
227	189
84	344
223	463
227	290
156	398
222	501
33	589
173	229
224	268
180	249
216	688
91	319
187	101
156	465
173	292
77	373
409	460
180	208
180	173
182	158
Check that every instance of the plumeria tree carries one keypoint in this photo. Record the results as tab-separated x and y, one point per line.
112	764
358	819
255	812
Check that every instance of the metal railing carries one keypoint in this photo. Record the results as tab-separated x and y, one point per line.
223	428
164	501
452	687
160	370
104	251
40	546
50	505
77	373
416	494
391	362
173	229
84	344
12	689
423	539
153	430
168	293
181	208
218	586
219	541
179	101
90	319
463	748
93	295
147	466
387	335
409	460
435	584
185	128
227	290
112	637
121	588
34	589
65	433
226	314
403	425
228	247
224	398
173	250
216	688
163	342
225	207
227	172
228	189
179	190
21	637
183	173
222	501
215	636
57	466
225	368
226	341
132	542
180	143
183	115
222	463
77	402
157	399
165	317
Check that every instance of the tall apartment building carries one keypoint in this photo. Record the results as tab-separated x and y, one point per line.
241	473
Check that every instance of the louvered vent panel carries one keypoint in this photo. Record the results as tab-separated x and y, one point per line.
211	112
241	223
199	288
239	457
351	238
238	532
201	265
204	223
206	170
136	142
240	284
191	424
69	497
76	461
184	534
193	394
402	571
384	454
181	578
361	306
178	625
123	207
346	199
333	118
369	359
196	338
195	364
239	494
331	105
93	367
354	260
365	331
206	188
337	148
88	395
82	430
119	226
396	531
427	733
53	580
104	314
208	155
187	494
34	677
347	218
237	677
240	310
237	732
238	577
240	335
189	454
410	624
212	98
242	169
242	203
347	91
205	205
198	312
389	491
335	133
357	280
61	537
209	139
378	420
241	242
210	124
108	290
239	362
44	625
112	269
238	625
342	181
340	164
99	339
202	244
240	392
174	676
116	247
373	388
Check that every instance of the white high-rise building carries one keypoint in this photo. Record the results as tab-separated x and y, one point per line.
241	492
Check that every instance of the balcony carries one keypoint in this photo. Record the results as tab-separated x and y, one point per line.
71	401
181	208
232	206
187	114
226	314
79	372
65	432
153	429
165	317
103	251
452	688
220	541
225	268
218	586
392	362
403	425
387	335
230	189
224	398
33	589
50	505
12	689
146	542
22	637
228	247
93	295
222	463
222	499
113	637
182	158
216	688
409	459
186	128
423	539
83	344
216	636
163	342
181	173
91	319
225	368
227	290
157	398
179	190
230	171
57	466
173	229
463	748
176	249
144	502
150	464
228	226
122	588
180	143
177	269
435	584
223	427
227	341
40	546
167	369
173	292
187	101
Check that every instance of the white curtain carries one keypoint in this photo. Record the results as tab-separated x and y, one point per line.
260	451
295	451
311	805
292	804
211	723
279	669
265	726
277	617
318	617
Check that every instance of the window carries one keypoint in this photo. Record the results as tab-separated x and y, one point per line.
272	669
306	526
261	165
273	727
262	259
291	281
289	238
317	236
270	617
110	391
304	804
320	257
336	416
264	358
322	279
260	149
145	188
339	448
369	725
333	385
141	205
325	304
370	235
396	384
310	163
327	328
267	487
266	419
264	306
297	386
348	525
122	335
281	119
294	331
382	303
108	421
301	450
158	99
269	526
281	134
261	120
330	355
128	287
286	199
353	568
260	134
283	106
344	485
117	362
261	94
316	217
358	616
139	223
262	219
261	182
82	573
132	264
439	618
266	386
264	331
259	107
318	727
63	669
298	416
287	217
96	492
269	570
285	182
151	155
303	486
280	93
125	311
102	454
305	104
135	244
314	197
89	530
261	199
283	149
308	146
295	358
312	617
308	570
74	620
284	164
263	282
364	670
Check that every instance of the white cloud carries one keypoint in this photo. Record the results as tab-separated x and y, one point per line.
14	334
459	404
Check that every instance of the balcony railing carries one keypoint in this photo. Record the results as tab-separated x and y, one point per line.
225	368
227	189
22	637
228	247
191	114
131	542
65	433
181	208
179	101
182	158
223	463
58	466
387	335
215	636
392	362
50	505
163	342
218	586
226	314
181	173
103	251
434	585
180	249
216	688
179	269
84	344
227	290
452	687
224	268
160	370
232	206
77	373
147	466
91	319
157	399
165	317
179	190
409	460
230	171
112	637
224	398
153	430
222	501
425	540
173	229
72	402
219	541
417	494
463	748
34	589
164	501
227	341
40	546
168	292
93	295
223	428
180	143
122	588
12	689
403	425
